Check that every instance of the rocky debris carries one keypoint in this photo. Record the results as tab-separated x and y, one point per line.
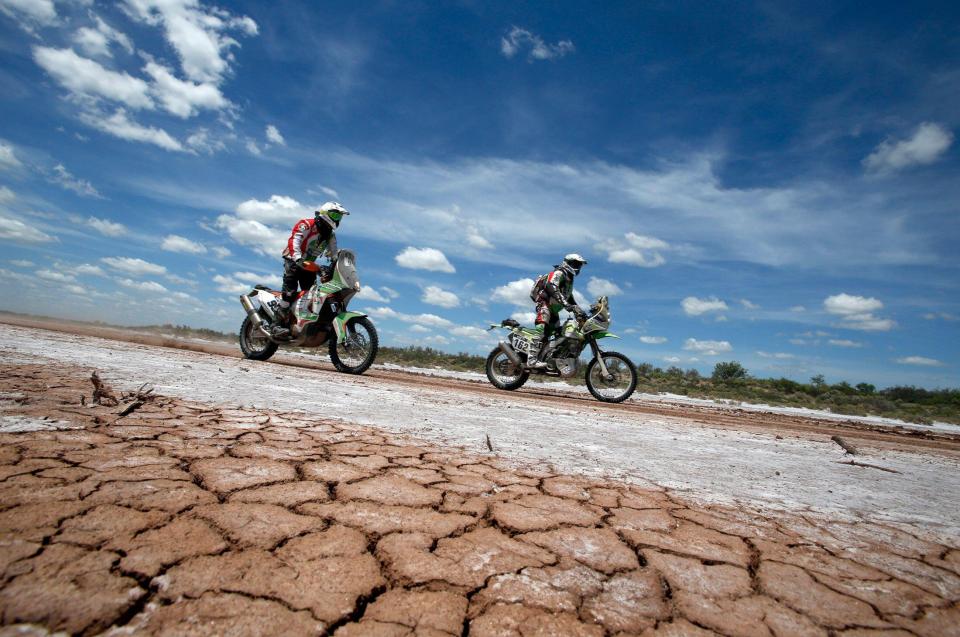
192	519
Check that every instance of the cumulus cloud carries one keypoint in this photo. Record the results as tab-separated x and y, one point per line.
844	342
63	178
369	293
707	348
16	231
277	209
89	269
945	316
242	282
514	293
221	252
84	77
692	306
30	13
435	295
857	312
198	34
922	361
927	144
777	355
95	41
255	235
747	304
274	136
426	320
635	249
137	267
106	227
601	287
429	259
183	98
518	40
176	243
653	340
142	286
121	126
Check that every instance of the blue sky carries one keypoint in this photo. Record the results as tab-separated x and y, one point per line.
775	183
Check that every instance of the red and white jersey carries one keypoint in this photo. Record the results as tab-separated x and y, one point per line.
306	243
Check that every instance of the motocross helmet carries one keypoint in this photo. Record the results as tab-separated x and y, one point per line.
330	213
572	264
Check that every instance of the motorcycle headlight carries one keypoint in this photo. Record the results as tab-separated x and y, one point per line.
356	286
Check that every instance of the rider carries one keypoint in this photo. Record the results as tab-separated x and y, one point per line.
553	292
309	240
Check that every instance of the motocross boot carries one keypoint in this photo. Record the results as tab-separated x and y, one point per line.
538	361
280	329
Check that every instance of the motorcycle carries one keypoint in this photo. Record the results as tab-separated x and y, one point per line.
320	316
611	377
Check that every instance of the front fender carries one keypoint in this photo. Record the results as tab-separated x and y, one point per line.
604	335
340	323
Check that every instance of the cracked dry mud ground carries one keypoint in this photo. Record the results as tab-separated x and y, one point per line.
190	519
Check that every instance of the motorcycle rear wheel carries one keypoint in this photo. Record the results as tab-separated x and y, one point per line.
618	388
357	353
503	374
254	344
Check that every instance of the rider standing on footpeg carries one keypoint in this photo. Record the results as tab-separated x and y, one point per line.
309	240
553	292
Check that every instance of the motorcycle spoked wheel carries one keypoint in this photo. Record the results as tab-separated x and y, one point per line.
503	374
357	353
618	388
254	344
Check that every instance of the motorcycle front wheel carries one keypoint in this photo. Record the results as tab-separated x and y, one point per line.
618	385
357	352
503	374
254	344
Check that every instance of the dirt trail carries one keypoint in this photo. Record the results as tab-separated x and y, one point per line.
190	518
730	418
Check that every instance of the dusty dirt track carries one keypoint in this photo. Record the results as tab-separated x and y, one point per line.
192	519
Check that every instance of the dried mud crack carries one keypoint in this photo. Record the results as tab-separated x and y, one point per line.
187	518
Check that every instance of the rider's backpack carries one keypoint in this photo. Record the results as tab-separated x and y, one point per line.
538	287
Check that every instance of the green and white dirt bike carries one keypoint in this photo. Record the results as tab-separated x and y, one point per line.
320	316
611	377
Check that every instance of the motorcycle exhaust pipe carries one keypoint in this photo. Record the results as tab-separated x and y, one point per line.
251	311
511	353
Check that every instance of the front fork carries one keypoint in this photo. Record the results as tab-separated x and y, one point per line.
599	356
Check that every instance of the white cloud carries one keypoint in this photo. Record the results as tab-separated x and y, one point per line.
22	263
230	286
277	209
477	240
274	136
142	286
96	41
18	232
843	342
330	192
196	33
201	141
707	348
519	39
427	320
927	144
183	98
473	333
857	312
524	318
89	269
777	355
798	308
63	178
434	295
635	249
6	195
106	227
30	13
747	304
368	293
429	259
252	278
119	125
221	252
419	329
946	316
253	234
671	359
601	287
390	292
922	361
136	267
653	340
8	158
176	243
84	77
56	277
692	306
252	148
514	293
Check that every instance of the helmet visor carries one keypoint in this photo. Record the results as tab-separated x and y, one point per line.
335	215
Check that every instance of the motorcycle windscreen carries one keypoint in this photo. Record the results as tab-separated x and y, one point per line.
347	268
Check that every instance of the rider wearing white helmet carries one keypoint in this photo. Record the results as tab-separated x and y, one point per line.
309	240
553	292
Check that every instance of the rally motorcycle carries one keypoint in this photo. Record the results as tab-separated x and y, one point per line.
611	377
320	316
